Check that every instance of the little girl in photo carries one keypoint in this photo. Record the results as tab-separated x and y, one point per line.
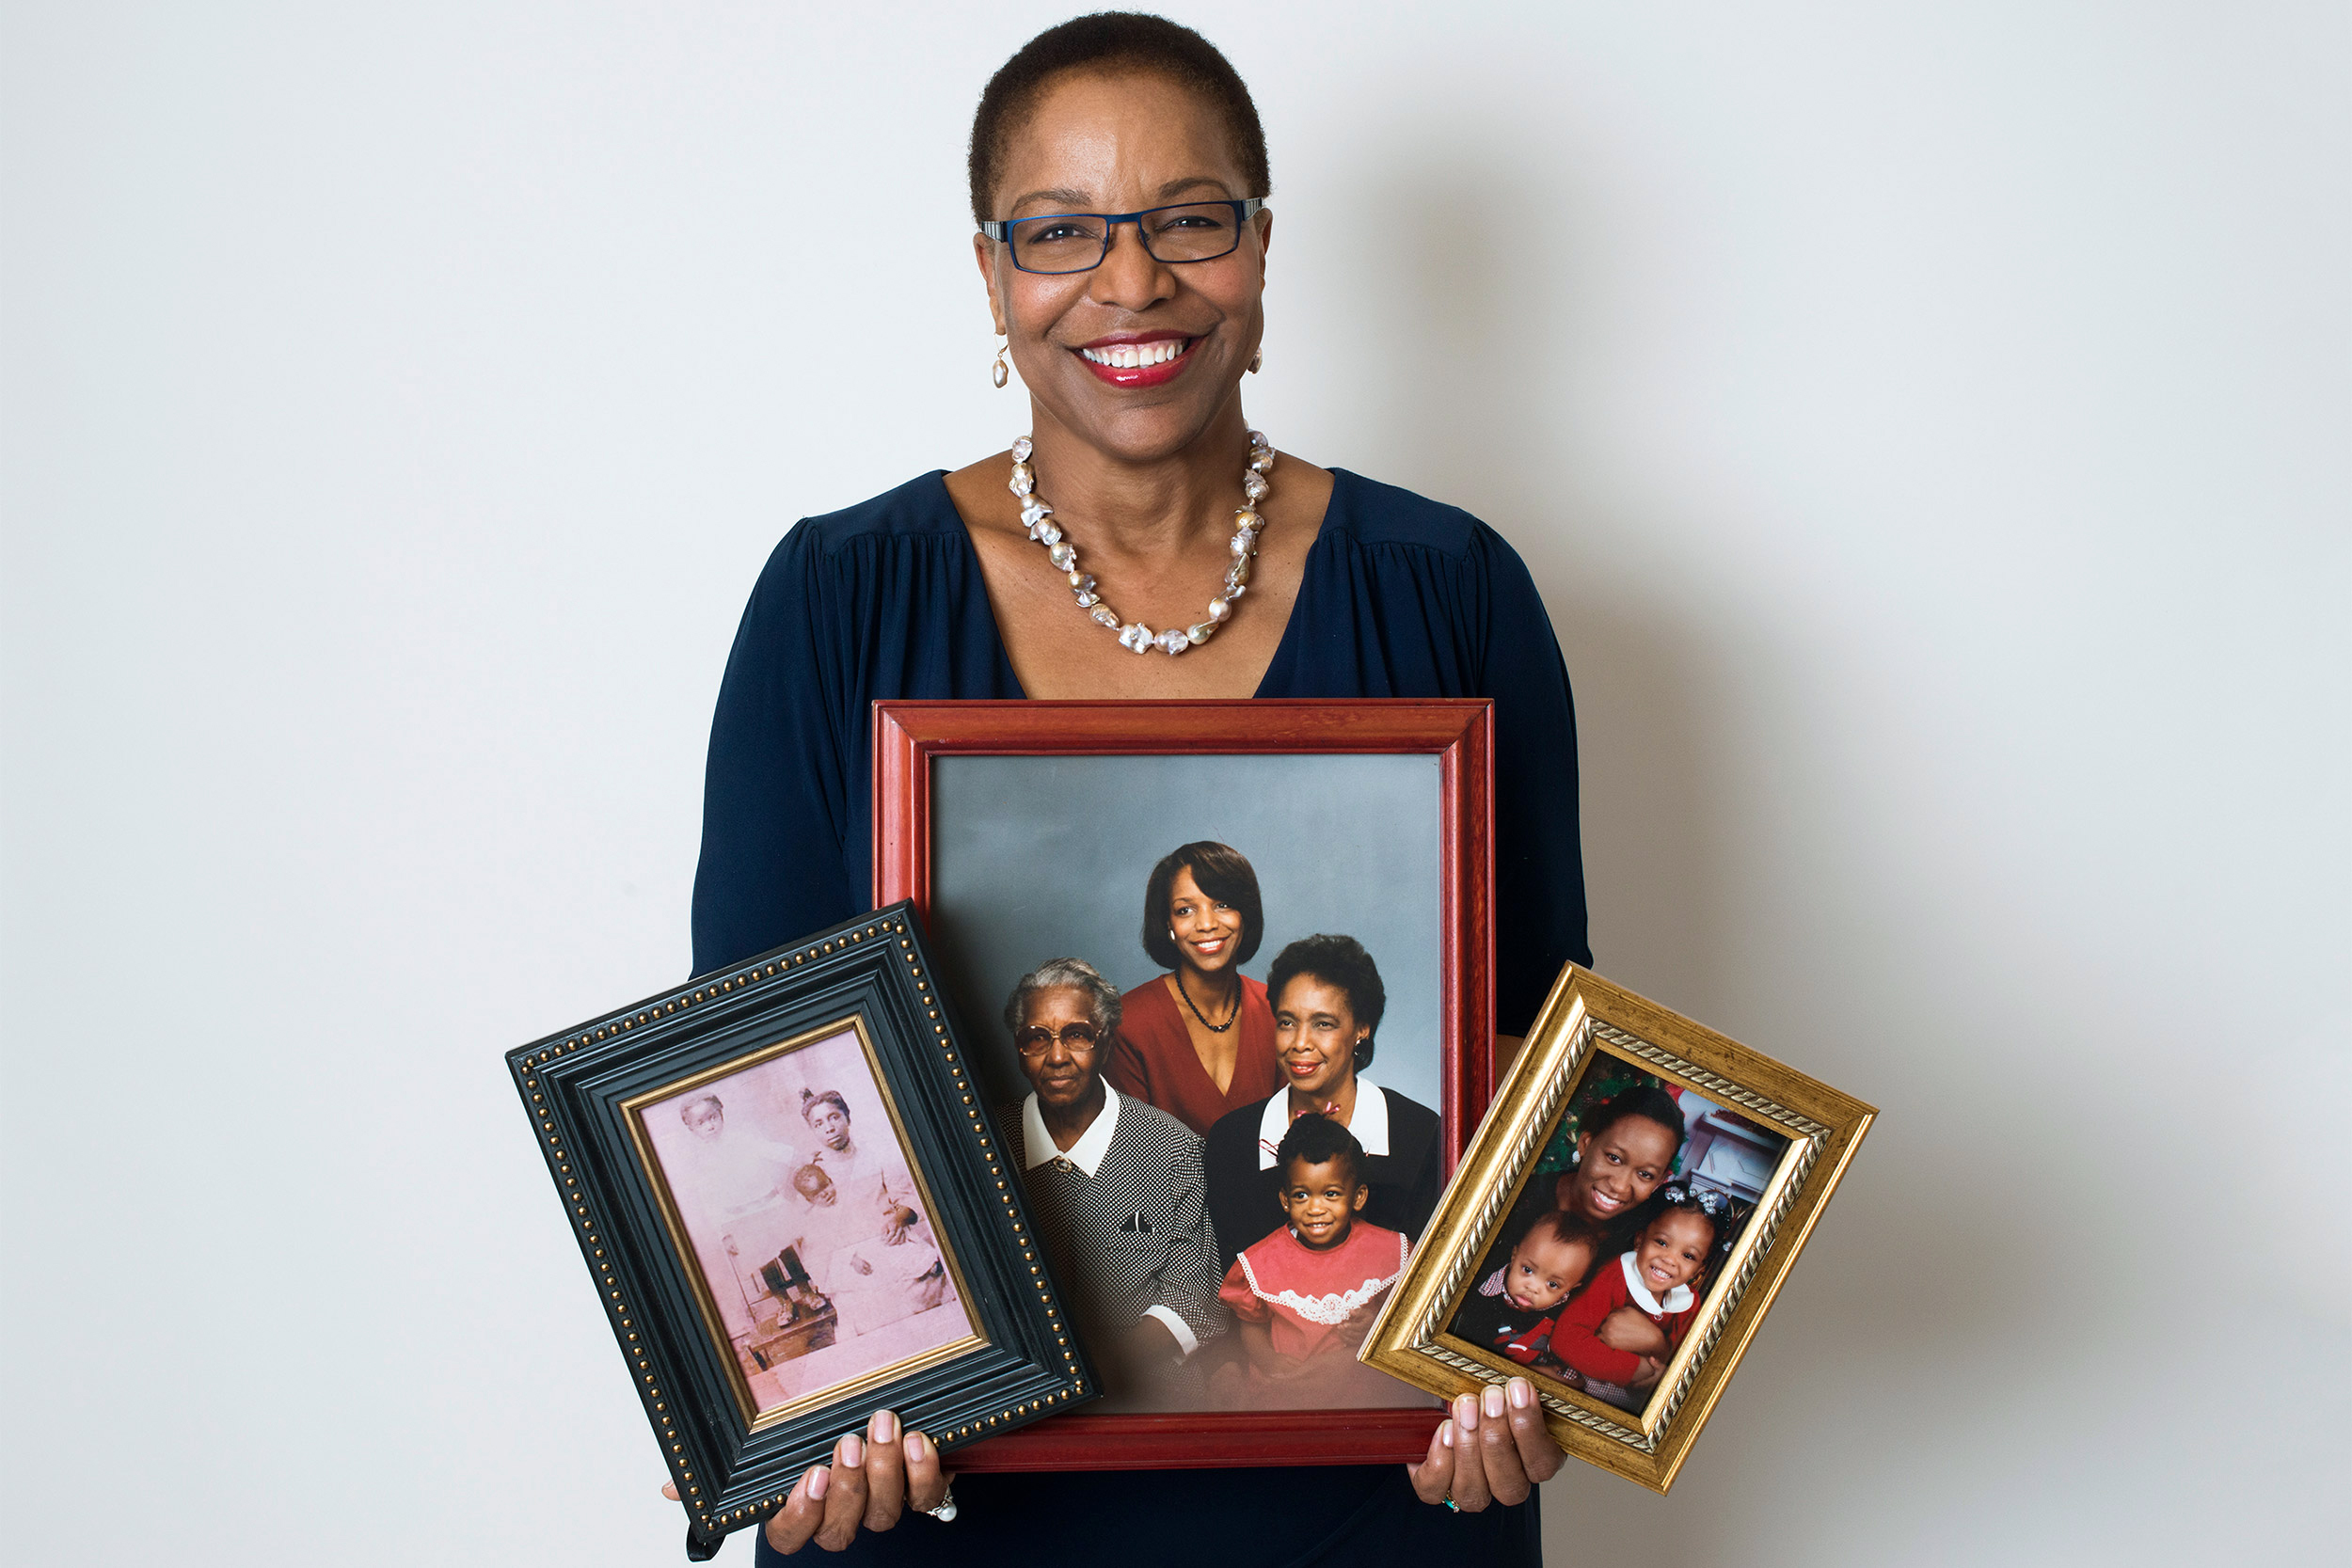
1621	1332
1514	1308
1306	1295
872	1279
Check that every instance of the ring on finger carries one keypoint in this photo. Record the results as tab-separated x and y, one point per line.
945	1511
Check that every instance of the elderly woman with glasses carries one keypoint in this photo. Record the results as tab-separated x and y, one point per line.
1116	1189
1137	539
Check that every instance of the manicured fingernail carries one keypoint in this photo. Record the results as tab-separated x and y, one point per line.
814	1482
1466	1412
1445	1433
885	1427
914	1446
1522	1393
1493	1401
853	1451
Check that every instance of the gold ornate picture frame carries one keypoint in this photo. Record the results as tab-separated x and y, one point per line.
1589	1035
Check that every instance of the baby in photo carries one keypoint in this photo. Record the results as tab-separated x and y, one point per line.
1305	1296
1621	1332
872	1279
1515	1309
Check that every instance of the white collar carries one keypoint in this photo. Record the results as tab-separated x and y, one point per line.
1370	1124
1677	1300
1086	1153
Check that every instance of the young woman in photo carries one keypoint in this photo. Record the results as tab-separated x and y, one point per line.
1198	1041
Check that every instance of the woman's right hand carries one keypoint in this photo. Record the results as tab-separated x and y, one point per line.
871	1482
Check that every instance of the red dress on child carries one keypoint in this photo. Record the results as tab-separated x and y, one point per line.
1152	1059
1577	1339
1301	1295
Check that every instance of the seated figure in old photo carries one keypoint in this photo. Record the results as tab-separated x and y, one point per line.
1116	1189
1305	1295
869	1177
875	1270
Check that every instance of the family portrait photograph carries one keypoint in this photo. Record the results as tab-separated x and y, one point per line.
1175	786
789	1191
1620	1237
1207	1006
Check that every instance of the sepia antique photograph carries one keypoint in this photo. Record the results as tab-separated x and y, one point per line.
790	1188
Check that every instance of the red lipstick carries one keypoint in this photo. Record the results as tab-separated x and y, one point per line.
1138	376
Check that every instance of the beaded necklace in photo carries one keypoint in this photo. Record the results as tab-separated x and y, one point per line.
1133	635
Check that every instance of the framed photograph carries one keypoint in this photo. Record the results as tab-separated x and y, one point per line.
1619	1226
1211	955
787	1188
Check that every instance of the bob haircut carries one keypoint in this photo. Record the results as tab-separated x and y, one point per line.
1112	41
1340	961
1225	875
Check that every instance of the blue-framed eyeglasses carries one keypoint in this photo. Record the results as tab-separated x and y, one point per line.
1079	242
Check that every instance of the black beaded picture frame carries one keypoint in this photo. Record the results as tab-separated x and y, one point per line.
735	1441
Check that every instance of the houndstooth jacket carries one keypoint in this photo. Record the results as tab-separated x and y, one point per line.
1124	1216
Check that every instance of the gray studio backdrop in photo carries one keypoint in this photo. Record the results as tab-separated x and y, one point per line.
1036	858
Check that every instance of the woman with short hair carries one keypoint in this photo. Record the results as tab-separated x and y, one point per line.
1114	1190
1328	1001
1118	177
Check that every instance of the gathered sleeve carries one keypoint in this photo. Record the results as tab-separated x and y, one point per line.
1239	1299
1539	853
777	788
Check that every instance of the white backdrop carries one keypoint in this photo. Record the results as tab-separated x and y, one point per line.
1928	426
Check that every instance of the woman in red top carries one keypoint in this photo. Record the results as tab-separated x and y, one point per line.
1198	1041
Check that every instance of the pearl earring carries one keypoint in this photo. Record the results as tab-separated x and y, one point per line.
1257	361
999	371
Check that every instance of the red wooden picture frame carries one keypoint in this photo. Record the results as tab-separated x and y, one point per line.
908	736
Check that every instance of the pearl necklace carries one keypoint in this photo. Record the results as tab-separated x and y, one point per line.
1135	636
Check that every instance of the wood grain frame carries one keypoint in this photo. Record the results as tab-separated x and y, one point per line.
908	736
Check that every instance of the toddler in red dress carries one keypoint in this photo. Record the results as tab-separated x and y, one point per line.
1306	1295
1624	1327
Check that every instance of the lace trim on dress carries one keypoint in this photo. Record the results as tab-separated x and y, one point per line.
1331	1308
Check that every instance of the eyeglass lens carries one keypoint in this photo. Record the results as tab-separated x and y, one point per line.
1072	1036
1075	241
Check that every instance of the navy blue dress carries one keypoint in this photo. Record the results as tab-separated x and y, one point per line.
1401	597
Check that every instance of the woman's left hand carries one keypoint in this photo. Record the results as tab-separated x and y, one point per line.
1495	1453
